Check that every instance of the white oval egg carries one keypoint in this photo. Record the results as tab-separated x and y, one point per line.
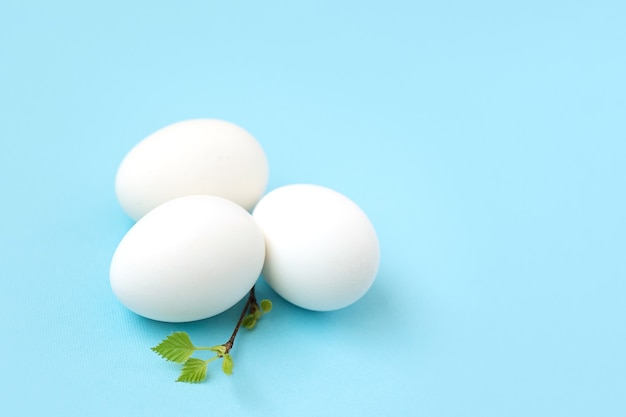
188	259
201	156
322	252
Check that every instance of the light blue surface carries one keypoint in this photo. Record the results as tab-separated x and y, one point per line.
486	141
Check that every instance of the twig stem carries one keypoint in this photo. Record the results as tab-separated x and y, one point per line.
250	302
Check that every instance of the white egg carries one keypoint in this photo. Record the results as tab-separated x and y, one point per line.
201	156
188	259
322	252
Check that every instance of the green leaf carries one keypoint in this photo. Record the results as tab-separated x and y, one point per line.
194	370
227	364
266	306
177	347
249	322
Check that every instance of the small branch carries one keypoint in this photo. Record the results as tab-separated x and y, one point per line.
178	347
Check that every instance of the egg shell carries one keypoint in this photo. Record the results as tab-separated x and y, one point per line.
200	156
188	259
322	252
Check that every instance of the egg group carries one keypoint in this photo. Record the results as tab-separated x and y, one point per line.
196	249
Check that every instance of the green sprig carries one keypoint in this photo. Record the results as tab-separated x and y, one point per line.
179	348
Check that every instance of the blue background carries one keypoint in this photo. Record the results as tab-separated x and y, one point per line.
486	140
